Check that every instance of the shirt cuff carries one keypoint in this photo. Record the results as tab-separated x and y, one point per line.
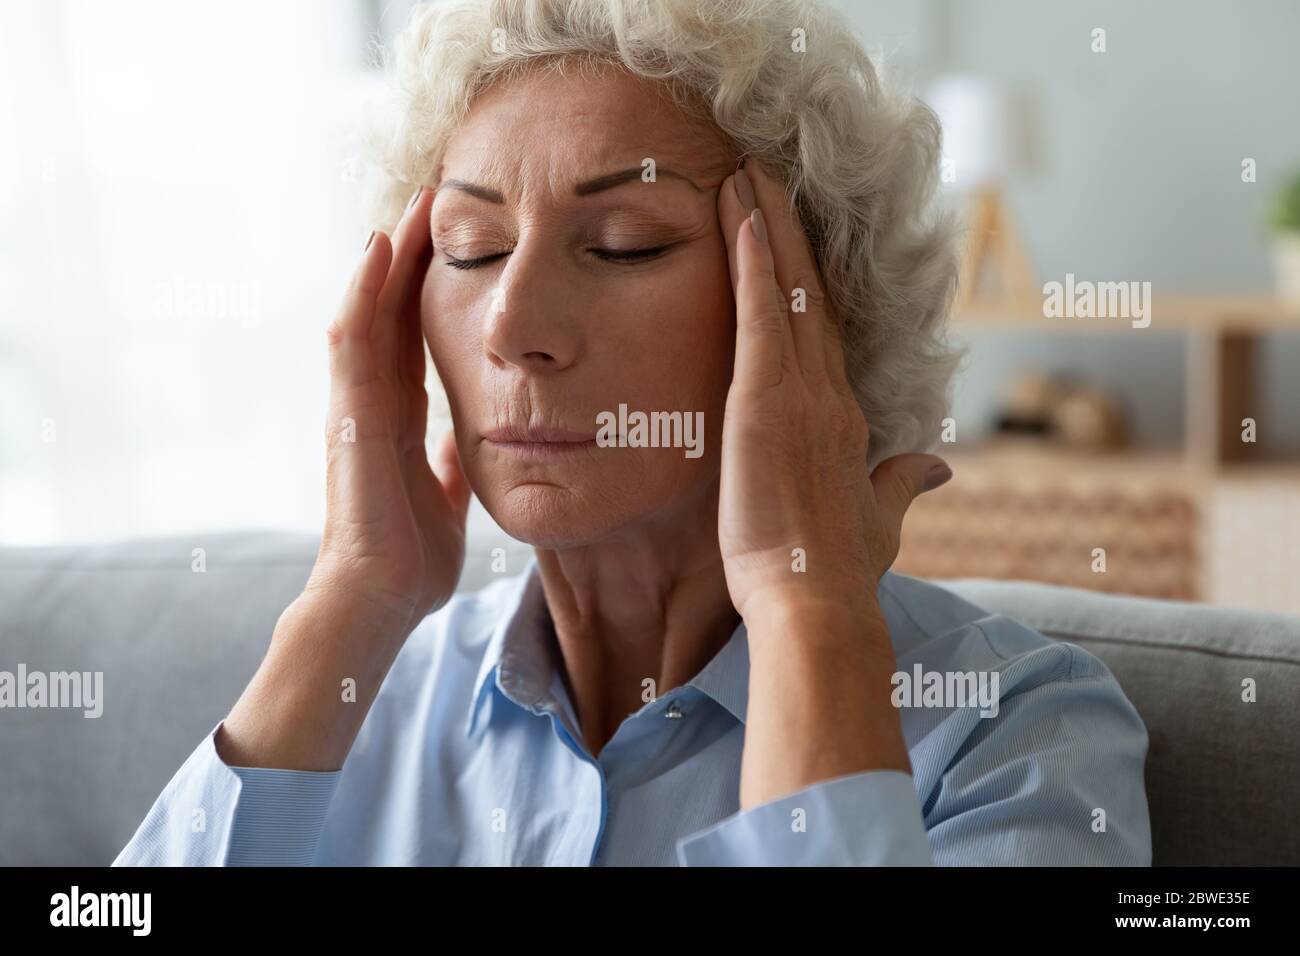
864	819
279	814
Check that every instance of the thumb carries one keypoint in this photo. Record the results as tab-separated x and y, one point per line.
899	480
450	474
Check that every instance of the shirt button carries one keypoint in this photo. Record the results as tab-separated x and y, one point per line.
674	712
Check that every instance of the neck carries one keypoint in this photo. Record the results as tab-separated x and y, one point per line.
650	603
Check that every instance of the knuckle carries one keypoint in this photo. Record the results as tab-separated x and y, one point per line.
365	290
764	267
839	422
850	427
768	320
901	481
860	436
814	294
753	420
333	439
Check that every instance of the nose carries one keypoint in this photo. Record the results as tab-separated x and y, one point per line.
531	323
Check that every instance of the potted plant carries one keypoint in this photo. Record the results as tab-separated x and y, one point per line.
1285	221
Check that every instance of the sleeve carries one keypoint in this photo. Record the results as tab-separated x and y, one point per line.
1055	779
1058	780
863	819
212	814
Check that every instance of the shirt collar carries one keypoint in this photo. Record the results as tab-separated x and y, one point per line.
521	662
516	658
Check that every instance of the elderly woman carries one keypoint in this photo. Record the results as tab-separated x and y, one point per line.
674	268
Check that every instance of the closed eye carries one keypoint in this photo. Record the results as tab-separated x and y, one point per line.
608	255
473	263
630	255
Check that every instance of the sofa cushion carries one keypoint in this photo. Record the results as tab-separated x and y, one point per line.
177	647
1223	773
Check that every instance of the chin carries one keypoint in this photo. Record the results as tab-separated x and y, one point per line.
554	517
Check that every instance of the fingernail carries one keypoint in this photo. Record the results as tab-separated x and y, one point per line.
760	230
369	241
936	476
415	198
744	189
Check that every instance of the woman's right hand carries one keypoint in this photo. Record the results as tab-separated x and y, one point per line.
394	533
394	538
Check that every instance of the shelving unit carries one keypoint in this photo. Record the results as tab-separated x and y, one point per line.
1186	522
1221	373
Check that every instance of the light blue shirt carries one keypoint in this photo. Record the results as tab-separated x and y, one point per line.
471	754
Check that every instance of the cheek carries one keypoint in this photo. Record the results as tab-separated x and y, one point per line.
446	309
442	319
687	326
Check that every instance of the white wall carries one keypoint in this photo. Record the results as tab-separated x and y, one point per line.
1141	173
177	220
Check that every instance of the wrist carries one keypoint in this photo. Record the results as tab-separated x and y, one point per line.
819	692
825	627
792	606
363	610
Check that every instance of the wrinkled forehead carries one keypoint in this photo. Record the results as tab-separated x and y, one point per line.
543	132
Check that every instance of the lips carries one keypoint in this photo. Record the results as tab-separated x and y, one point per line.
539	443
537	435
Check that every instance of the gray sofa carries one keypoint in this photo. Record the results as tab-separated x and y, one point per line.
176	648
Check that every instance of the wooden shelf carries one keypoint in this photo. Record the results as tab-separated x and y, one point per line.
1030	461
1221	381
1179	312
1209	519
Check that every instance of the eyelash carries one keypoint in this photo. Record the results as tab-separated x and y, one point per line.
627	256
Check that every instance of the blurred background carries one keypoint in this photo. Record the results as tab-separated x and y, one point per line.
180	211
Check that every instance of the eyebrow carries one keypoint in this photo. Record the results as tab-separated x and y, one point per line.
588	188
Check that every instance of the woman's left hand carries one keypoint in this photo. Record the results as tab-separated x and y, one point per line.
800	521
805	532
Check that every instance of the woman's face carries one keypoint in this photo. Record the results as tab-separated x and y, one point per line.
559	290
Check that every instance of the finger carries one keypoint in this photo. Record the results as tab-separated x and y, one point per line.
450	473
352	359
735	203
732	212
412	363
764	345
796	270
409	242
900	480
734	209
836	363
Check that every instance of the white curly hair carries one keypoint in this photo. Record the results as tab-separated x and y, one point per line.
859	162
